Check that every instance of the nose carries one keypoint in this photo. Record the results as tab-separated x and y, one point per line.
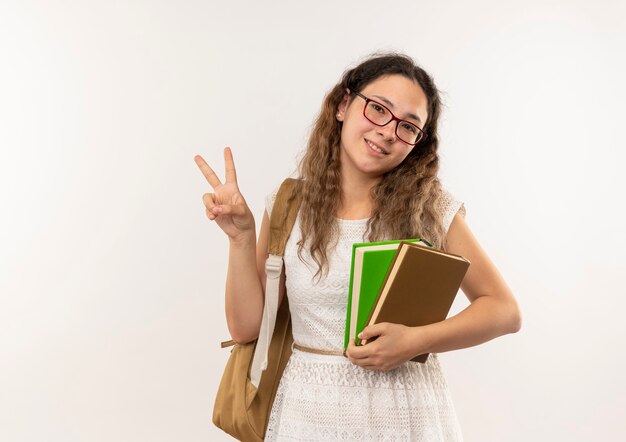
389	130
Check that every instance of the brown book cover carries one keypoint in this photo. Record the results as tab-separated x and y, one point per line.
419	288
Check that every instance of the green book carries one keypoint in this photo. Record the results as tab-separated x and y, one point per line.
370	263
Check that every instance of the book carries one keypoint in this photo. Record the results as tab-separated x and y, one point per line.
370	263
419	288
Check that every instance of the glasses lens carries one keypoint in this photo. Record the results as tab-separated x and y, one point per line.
409	133
378	114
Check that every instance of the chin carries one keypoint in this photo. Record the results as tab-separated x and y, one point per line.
372	172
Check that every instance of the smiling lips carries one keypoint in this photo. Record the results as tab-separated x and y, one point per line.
376	148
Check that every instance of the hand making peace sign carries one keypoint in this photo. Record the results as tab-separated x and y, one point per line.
226	205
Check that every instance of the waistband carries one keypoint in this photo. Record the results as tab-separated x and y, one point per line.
318	351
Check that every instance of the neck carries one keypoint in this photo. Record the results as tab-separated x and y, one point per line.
356	202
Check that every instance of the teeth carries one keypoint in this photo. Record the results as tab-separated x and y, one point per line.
376	148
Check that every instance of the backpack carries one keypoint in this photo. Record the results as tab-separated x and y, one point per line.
248	386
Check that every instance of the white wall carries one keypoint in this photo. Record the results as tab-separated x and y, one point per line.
112	278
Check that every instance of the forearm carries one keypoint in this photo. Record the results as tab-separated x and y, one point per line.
483	320
244	292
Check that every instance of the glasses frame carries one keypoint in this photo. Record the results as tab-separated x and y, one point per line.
393	118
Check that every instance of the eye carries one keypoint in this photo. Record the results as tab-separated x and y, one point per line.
377	107
409	127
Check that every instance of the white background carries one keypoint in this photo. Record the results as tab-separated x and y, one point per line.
112	278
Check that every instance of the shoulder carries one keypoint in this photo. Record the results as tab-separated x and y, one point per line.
270	198
449	205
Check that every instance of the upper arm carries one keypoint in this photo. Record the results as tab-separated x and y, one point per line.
482	277
262	252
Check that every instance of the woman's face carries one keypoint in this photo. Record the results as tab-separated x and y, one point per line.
360	137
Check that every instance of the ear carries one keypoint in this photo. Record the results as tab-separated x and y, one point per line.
343	106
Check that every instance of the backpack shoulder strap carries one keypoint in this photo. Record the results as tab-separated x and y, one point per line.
282	219
283	216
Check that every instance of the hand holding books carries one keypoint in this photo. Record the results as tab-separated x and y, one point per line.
394	345
419	287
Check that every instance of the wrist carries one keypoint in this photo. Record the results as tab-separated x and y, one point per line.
244	240
424	339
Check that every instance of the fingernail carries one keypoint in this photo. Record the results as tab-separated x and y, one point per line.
361	335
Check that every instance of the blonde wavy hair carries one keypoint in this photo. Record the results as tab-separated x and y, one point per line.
406	202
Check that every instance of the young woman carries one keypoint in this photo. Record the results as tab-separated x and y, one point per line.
369	174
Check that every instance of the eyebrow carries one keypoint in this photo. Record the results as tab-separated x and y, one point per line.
390	104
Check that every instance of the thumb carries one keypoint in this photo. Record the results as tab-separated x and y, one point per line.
372	330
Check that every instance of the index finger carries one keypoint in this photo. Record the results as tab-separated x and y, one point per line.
208	173
229	165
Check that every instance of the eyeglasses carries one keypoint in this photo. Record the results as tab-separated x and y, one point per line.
380	115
